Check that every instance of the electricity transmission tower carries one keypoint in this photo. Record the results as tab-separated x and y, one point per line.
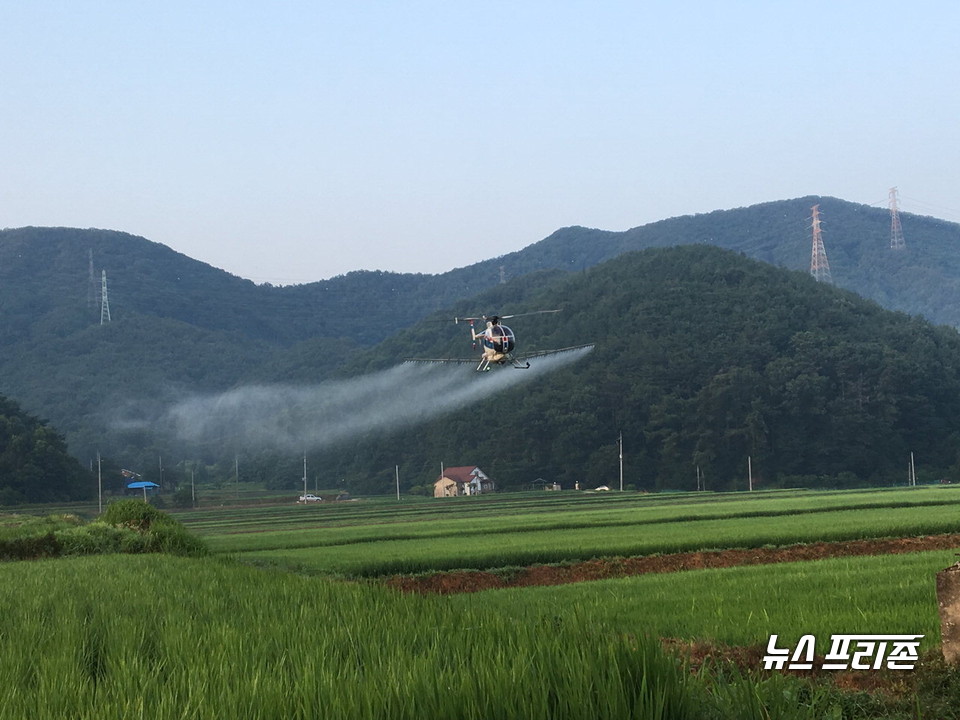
91	284
819	267
896	232
104	303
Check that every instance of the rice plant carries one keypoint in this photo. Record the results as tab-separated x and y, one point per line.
163	637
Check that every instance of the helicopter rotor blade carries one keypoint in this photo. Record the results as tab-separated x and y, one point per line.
535	312
503	317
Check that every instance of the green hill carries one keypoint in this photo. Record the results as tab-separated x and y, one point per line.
180	327
703	358
923	280
49	289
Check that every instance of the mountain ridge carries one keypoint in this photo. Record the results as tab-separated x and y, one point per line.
182	326
151	278
702	358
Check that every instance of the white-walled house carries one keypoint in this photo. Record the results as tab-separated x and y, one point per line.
467	480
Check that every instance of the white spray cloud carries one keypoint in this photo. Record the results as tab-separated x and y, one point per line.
287	417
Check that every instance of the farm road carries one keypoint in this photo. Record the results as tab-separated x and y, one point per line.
463	581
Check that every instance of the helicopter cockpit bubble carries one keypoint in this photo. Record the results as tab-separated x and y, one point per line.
499	338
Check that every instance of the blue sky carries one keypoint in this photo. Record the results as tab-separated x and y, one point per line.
293	141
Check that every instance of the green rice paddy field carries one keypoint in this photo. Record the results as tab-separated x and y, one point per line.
742	606
288	617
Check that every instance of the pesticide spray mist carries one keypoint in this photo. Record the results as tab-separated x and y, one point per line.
298	418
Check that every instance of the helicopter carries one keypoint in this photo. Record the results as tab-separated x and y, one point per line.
498	343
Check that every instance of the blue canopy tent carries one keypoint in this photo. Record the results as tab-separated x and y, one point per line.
142	484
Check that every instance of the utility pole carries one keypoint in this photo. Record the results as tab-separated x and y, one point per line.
896	231
620	445
398	483
750	473
99	485
819	267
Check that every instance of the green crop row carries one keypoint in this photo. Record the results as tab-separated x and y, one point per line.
160	637
373	511
313	529
888	594
552	546
164	637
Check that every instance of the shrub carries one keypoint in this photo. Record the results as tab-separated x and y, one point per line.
174	539
135	514
156	531
134	543
31	547
183	498
127	526
94	539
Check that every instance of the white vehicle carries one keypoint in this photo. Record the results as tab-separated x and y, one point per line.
309	499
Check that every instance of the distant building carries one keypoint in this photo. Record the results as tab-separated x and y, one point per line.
457	481
541	484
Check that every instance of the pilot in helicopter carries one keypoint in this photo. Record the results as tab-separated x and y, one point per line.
497	340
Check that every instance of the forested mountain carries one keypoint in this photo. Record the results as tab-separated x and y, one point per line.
47	287
924	279
34	463
51	282
180	326
702	358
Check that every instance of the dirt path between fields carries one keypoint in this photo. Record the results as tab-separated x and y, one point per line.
464	581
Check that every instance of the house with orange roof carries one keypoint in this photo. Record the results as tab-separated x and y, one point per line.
458	481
